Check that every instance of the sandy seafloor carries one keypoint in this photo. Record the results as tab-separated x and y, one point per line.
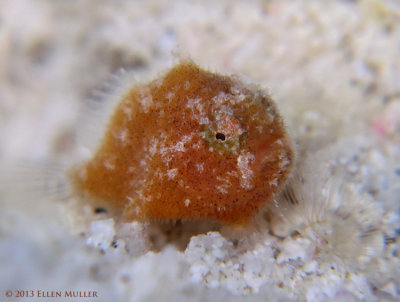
333	68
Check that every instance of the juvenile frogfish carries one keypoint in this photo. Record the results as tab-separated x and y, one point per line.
190	144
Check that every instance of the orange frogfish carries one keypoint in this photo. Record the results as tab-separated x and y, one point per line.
190	144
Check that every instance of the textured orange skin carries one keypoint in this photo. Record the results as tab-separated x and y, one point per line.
170	165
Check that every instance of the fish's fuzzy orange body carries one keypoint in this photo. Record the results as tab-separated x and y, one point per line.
190	144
